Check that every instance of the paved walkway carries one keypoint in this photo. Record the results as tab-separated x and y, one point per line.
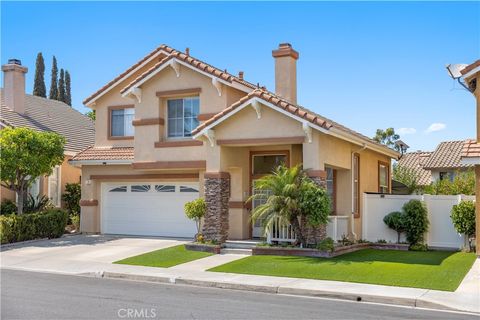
93	256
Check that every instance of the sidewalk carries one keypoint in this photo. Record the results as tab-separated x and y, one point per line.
466	298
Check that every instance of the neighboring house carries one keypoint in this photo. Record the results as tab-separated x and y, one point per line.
443	163
19	109
172	128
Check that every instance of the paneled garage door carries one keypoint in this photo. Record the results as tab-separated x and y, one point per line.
146	208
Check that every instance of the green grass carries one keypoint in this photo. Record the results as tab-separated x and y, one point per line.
165	258
438	270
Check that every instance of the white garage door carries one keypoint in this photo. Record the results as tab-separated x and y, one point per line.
146	208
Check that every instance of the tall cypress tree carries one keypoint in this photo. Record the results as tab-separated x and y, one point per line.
68	92
39	88
61	86
53	84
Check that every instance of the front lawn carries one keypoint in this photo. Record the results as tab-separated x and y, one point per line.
165	258
438	270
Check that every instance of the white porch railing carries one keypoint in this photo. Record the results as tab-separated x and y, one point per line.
337	227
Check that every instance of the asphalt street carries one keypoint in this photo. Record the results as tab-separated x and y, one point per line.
33	295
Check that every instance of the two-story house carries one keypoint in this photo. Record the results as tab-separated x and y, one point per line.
173	128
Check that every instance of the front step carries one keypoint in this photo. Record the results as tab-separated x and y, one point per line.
236	251
241	244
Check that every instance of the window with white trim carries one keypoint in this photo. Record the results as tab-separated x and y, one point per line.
182	116
54	187
121	122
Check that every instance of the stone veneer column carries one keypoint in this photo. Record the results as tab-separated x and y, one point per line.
217	195
317	234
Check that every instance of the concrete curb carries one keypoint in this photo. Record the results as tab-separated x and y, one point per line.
401	301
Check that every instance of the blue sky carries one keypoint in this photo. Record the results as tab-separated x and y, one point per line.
365	65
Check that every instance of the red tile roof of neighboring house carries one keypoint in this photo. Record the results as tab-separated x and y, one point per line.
447	155
196	63
283	104
470	67
416	161
107	153
470	149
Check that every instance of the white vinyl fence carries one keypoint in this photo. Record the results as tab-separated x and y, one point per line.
441	232
337	227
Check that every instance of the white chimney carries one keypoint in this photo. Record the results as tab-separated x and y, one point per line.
14	85
286	71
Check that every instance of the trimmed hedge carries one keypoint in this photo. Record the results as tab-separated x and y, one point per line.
48	224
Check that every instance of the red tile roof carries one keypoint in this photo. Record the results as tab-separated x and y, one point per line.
196	63
416	161
447	155
123	74
296	110
107	153
470	149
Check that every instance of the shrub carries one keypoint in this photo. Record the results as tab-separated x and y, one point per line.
395	221
8	207
75	219
195	210
415	221
418	247
463	183
326	245
47	224
381	241
71	197
314	203
38	204
463	218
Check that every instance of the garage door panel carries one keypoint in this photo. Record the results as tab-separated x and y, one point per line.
148	213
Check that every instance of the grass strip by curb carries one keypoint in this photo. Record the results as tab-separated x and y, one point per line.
164	258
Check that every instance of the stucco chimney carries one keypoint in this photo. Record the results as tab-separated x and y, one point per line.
14	85
286	71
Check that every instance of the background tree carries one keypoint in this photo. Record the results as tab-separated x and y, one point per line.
39	88
53	80
91	114
406	176
68	91
387	137
61	86
26	155
462	183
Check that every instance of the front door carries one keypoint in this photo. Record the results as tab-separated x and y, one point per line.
263	163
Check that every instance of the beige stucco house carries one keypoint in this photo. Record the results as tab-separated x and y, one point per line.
172	128
19	109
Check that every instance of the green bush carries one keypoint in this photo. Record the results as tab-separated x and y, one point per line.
415	221
47	224
314	203
37	204
8	207
71	197
418	247
195	210
326	245
463	218
395	221
75	219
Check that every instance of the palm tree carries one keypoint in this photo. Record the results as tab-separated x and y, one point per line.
283	187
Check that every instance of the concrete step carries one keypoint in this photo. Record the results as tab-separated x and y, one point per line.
236	251
241	244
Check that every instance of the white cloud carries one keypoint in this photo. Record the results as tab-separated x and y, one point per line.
406	131
437	126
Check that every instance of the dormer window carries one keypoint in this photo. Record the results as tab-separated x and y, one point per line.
121	122
182	116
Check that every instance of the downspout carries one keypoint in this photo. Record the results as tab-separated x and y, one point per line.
352	220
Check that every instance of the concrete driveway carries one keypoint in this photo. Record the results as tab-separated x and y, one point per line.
79	253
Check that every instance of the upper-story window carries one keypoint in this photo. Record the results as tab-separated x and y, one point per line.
121	122
182	116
